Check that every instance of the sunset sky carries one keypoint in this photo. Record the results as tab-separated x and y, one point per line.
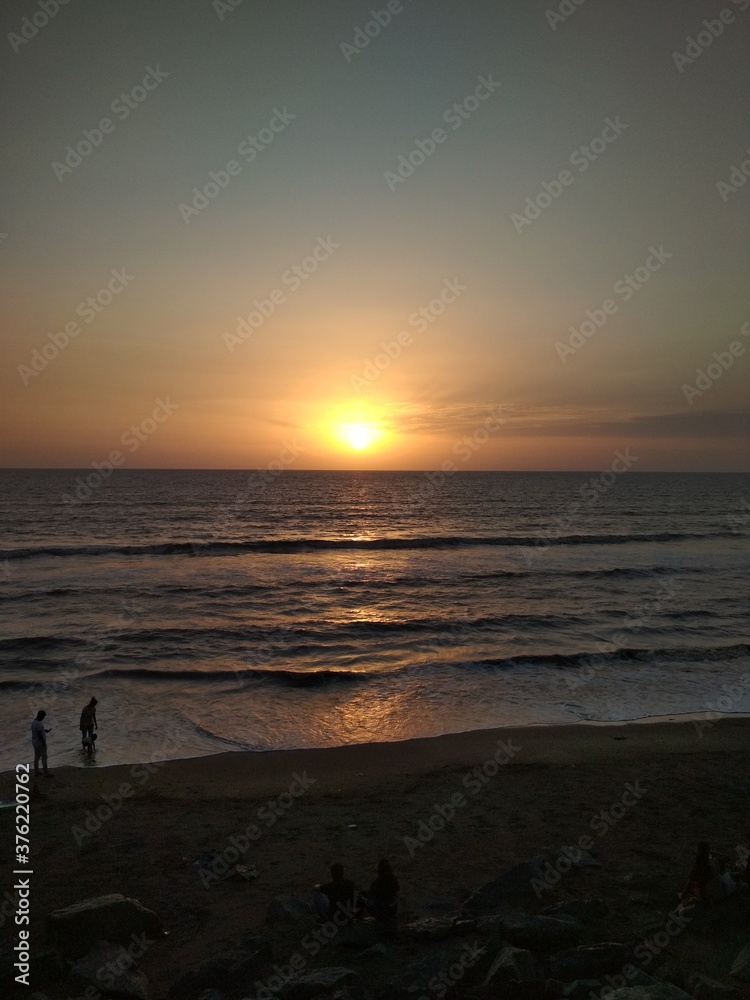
307	218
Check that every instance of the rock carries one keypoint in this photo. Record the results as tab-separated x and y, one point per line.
318	982
359	935
577	857
212	995
741	966
638	879
113	966
537	989
239	967
585	911
647	922
438	928
448	966
583	989
288	909
375	953
580	989
588	962
522	882
512	965
709	989
418	973
662	991
535	933
74	930
440	906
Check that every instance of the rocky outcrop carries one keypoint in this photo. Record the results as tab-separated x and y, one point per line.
111	968
74	930
741	966
589	962
438	928
516	885
662	991
318	983
540	933
239	967
512	965
585	911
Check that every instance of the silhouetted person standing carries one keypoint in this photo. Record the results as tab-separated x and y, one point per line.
88	724
39	742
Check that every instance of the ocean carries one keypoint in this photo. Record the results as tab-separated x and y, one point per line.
224	610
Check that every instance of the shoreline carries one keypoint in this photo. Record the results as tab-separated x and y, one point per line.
539	744
700	721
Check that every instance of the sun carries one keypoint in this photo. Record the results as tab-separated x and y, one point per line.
355	427
359	435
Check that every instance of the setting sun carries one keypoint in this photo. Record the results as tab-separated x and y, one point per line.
355	426
359	435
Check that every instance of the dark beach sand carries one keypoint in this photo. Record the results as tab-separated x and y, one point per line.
361	804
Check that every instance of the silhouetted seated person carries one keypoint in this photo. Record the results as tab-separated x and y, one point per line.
727	879
381	901
336	897
702	875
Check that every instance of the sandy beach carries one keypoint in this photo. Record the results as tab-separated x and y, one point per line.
450	813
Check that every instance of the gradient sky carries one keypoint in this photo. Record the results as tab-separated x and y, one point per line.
323	178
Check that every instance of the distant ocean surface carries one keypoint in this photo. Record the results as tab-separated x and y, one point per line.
212	611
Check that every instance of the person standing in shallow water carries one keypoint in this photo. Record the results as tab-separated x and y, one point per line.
88	724
39	742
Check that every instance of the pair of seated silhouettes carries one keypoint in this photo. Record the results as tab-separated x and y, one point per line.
340	896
